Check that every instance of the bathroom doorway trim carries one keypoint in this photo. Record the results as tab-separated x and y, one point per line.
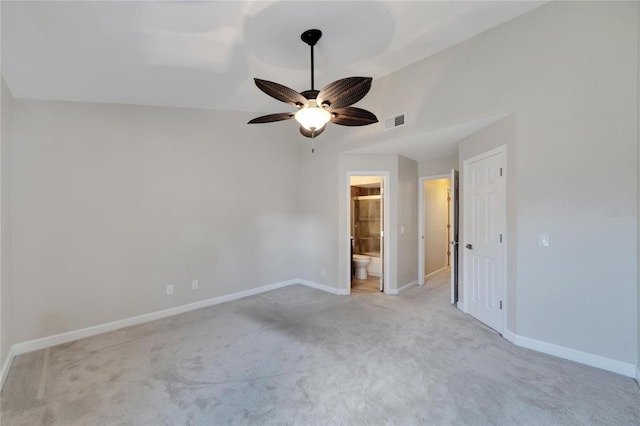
386	179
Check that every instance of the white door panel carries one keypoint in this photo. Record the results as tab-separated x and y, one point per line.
484	232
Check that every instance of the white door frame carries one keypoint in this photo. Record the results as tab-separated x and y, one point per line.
421	229
386	176
462	254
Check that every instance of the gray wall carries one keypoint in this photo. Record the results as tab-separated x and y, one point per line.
407	206
567	72
440	166
318	208
112	203
6	335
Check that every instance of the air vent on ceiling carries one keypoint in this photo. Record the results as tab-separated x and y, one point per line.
395	121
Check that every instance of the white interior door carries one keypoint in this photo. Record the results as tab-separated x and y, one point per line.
453	235
484	228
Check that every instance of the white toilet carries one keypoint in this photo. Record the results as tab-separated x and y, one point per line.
361	263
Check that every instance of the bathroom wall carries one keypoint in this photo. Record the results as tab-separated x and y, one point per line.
436	238
364	180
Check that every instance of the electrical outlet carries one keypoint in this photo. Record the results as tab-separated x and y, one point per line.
194	285
170	289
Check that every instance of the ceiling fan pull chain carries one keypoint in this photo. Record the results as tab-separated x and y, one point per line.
313	149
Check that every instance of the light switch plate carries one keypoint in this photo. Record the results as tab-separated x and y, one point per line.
543	240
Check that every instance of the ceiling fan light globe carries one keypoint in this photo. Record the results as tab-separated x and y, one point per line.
313	118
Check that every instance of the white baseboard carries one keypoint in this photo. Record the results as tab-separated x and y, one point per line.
407	287
574	355
6	366
328	289
615	366
70	336
426	277
510	336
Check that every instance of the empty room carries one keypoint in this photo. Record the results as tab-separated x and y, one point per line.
319	212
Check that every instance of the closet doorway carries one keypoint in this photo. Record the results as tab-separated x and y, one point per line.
438	224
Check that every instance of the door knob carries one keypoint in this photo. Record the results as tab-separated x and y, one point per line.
469	246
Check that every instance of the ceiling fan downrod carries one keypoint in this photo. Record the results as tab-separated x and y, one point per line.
311	37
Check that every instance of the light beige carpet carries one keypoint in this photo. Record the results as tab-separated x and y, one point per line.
301	356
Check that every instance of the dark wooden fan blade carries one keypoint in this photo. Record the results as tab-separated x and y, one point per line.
272	117
309	133
352	116
344	92
281	93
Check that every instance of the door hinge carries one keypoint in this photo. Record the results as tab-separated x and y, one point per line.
381	234
500	171
501	305
500	237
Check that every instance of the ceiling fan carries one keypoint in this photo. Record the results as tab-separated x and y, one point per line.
318	107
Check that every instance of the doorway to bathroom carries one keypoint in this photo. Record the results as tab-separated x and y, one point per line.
367	220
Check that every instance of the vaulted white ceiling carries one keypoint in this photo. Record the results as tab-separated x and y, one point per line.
205	54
